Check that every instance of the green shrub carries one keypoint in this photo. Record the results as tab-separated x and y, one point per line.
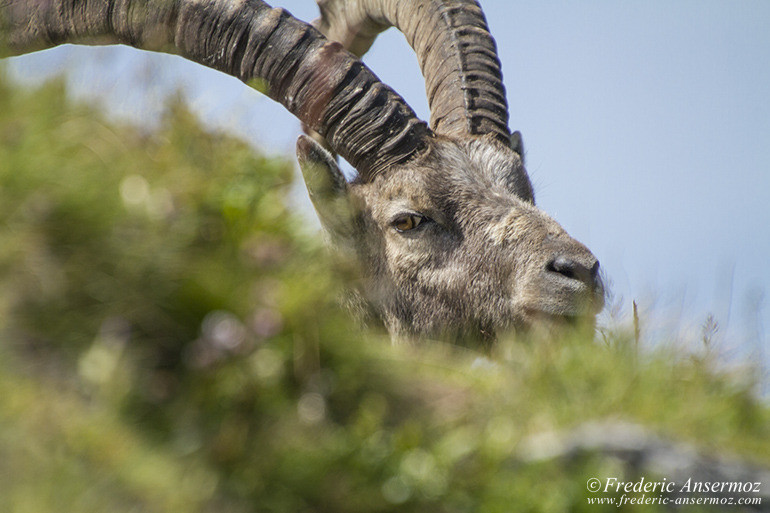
171	341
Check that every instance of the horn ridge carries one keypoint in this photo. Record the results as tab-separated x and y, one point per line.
455	51
318	81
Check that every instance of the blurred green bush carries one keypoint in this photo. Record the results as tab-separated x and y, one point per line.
170	340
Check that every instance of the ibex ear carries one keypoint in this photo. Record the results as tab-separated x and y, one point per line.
517	144
516	179
327	187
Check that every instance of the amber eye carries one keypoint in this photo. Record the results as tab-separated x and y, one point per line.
407	222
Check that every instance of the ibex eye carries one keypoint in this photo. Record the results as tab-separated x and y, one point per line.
406	222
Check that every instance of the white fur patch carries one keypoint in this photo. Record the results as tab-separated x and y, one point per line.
506	230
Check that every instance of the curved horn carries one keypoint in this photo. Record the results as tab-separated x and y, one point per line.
317	80
456	53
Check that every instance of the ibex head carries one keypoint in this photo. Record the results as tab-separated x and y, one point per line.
441	220
464	250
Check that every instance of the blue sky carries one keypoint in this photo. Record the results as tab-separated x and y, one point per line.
646	125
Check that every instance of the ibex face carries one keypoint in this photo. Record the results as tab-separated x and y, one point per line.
441	218
453	243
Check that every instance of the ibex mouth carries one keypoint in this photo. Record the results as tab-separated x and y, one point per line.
579	308
540	320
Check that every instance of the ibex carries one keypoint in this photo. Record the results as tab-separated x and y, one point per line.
441	219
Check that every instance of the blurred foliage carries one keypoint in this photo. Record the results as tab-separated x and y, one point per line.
170	340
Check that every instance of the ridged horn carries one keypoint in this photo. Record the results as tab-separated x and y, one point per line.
318	81
455	50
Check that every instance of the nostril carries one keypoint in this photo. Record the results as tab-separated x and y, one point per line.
572	269
595	271
562	265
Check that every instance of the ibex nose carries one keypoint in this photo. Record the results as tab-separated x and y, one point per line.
572	269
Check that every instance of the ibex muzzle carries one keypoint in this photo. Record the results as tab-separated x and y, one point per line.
441	219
